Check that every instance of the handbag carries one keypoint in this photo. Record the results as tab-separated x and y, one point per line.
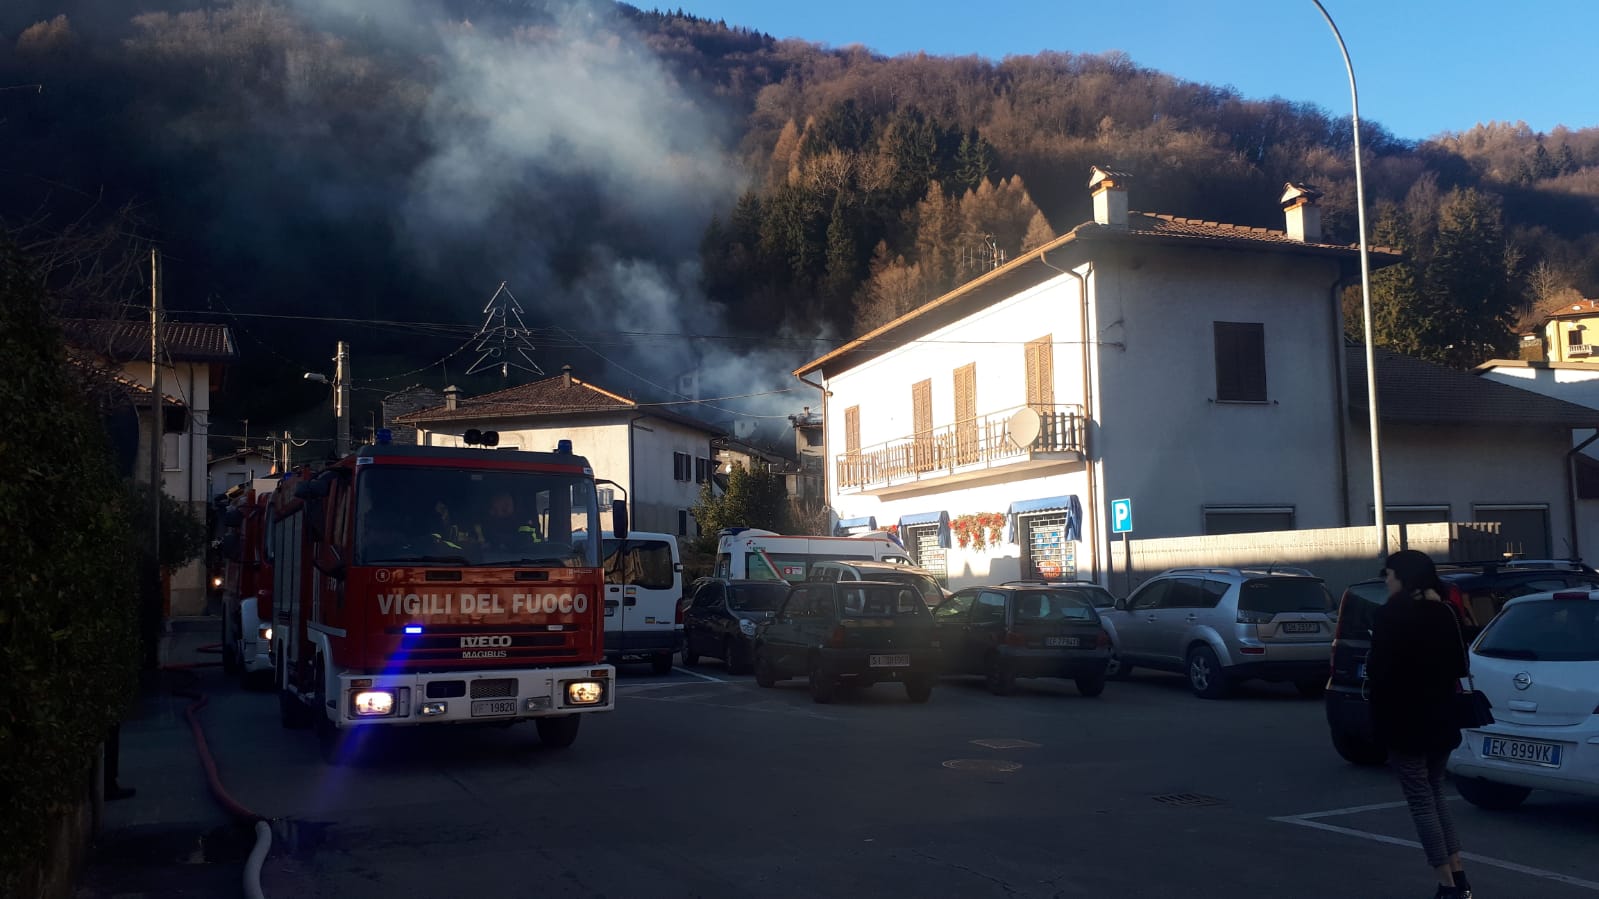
1470	707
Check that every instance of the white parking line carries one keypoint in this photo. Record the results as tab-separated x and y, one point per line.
1309	820
714	680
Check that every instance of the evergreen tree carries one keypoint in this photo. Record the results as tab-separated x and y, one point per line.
756	499
974	160
1467	287
843	256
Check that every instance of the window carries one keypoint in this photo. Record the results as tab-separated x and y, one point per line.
607	496
1545	631
1150	596
1240	362
852	430
756	597
922	424
1522	529
642	563
966	446
1273	595
1574	336
172	452
681	467
1041	374
682	522
990	609
1248	519
709	597
954	607
1409	514
1185	593
702	470
882	602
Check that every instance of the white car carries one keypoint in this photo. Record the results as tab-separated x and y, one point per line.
1538	663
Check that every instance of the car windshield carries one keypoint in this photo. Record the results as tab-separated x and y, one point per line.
1098	597
461	516
1283	594
1552	630
928	588
882	602
756	597
1054	605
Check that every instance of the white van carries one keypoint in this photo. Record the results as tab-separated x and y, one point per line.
754	554
643	583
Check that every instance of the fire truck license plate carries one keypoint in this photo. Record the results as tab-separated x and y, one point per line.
485	708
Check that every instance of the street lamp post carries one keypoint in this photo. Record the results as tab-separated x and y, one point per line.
1365	295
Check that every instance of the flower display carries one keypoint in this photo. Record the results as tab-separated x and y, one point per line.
979	530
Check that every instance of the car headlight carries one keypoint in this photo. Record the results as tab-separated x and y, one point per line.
746	627
585	692
373	703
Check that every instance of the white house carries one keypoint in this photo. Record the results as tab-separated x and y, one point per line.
237	468
1576	383
659	456
1195	368
196	354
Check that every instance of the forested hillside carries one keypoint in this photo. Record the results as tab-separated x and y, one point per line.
634	174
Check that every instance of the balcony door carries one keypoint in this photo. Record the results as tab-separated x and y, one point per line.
923	455
966	443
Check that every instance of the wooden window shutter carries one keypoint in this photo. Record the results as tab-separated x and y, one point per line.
966	414
1240	362
922	425
1041	373
852	430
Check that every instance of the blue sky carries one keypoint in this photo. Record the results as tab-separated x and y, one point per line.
1424	66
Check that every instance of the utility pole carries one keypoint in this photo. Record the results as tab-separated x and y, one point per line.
157	411
341	399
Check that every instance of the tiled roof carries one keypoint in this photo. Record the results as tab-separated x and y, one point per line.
130	340
115	381
1036	267
1160	225
1419	392
551	396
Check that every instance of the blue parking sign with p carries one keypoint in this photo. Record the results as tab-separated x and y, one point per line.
1121	516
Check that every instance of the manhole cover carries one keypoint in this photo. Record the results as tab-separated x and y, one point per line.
1006	744
981	765
1186	800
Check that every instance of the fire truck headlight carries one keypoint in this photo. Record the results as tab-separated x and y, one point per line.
216	582
373	703
266	632
584	692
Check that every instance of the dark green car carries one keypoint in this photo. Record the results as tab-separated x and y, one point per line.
854	633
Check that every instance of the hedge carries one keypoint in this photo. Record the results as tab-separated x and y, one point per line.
68	596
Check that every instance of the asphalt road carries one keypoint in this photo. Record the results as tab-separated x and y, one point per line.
703	785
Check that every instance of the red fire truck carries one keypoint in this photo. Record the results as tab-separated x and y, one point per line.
247	584
422	585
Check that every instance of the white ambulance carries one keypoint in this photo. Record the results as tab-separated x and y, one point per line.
754	554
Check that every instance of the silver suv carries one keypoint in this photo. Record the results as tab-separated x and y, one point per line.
926	585
1223	625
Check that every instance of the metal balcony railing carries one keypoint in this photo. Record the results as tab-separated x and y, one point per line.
987	441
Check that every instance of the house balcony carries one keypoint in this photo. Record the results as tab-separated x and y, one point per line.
1031	439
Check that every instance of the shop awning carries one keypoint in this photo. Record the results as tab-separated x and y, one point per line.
939	518
845	525
1068	504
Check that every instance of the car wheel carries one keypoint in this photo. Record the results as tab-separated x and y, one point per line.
1311	689
1496	797
919	689
559	732
1357	751
292	713
730	654
1093	685
1118	669
231	663
661	663
823	688
1205	676
765	675
1000	677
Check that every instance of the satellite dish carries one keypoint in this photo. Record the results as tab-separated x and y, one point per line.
1023	427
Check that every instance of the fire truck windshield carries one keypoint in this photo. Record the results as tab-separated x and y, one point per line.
462	517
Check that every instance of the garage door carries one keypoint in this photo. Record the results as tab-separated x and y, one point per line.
1523	530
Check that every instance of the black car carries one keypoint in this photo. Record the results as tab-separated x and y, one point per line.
853	633
721	618
1025	630
1475	591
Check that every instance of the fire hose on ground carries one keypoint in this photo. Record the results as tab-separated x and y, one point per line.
235	809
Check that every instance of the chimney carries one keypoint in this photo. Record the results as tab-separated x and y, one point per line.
452	398
566	375
1304	216
1109	189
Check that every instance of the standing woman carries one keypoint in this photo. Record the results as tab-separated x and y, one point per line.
1417	659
